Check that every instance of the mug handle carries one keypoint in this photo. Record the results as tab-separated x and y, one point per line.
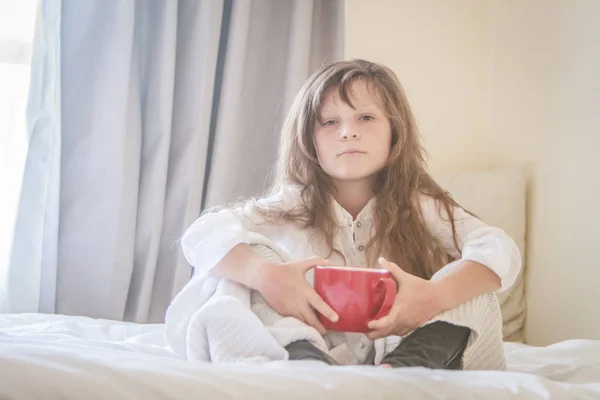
388	300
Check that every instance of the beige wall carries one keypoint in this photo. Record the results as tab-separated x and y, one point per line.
498	83
436	49
544	112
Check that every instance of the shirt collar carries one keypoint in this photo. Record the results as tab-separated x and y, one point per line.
344	218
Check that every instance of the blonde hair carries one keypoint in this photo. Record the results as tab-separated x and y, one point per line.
400	231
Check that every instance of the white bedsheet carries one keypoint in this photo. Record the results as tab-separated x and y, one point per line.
50	356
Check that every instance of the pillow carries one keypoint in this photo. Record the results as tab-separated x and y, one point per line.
499	199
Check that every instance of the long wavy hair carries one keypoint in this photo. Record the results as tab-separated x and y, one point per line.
401	234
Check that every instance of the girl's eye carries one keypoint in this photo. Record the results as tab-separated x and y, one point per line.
367	118
329	122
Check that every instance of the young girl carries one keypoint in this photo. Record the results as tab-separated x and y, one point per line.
351	188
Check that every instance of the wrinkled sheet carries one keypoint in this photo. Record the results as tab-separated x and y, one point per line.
54	356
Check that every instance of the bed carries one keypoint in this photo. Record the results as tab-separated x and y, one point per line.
70	357
75	357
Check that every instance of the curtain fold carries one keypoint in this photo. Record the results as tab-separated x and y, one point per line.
141	114
31	275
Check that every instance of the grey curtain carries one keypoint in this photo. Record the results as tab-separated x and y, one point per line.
142	113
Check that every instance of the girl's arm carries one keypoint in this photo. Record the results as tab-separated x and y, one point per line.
208	243
220	243
469	280
489	259
244	266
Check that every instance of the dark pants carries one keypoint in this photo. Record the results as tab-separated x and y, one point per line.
439	345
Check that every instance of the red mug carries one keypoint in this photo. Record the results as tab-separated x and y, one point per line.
357	295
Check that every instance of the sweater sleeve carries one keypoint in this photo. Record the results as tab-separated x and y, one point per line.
215	234
477	241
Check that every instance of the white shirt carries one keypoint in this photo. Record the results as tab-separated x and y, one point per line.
213	235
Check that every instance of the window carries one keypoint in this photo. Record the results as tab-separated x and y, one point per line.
17	19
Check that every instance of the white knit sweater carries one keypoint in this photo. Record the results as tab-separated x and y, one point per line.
221	321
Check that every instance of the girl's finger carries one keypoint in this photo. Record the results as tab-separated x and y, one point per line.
311	262
320	306
387	321
310	318
378	334
398	273
403	332
380	323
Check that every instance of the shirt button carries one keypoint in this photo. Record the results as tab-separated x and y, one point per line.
362	345
358	224
361	248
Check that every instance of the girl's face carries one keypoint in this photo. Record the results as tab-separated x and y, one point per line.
352	144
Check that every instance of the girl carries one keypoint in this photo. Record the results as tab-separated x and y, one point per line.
351	188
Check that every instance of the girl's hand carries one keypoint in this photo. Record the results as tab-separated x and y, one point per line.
285	288
417	301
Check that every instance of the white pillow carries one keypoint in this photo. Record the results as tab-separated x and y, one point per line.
499	199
